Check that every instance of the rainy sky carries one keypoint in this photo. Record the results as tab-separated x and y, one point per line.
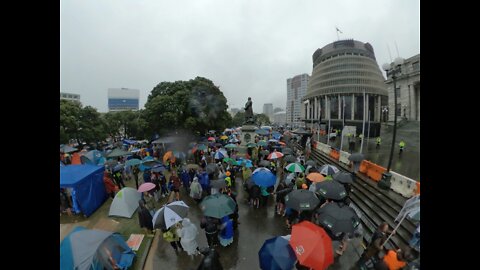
246	47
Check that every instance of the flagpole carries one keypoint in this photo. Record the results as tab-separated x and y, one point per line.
394	230
343	127
363	125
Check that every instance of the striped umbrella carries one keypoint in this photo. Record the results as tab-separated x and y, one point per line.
294	167
275	155
170	214
328	169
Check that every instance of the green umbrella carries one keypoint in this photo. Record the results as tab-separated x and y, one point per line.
118	153
262	143
217	205
230	160
230	145
249	145
201	147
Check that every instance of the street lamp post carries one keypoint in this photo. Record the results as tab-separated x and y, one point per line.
393	72
385	113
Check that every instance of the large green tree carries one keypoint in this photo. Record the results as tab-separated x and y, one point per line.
262	119
82	124
197	105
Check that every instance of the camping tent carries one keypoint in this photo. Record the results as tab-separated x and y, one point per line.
84	249
88	188
125	202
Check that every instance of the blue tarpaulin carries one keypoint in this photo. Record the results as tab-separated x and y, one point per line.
87	183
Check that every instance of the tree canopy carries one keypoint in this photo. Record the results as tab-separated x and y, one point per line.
197	105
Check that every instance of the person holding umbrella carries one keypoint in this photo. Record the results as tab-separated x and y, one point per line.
210	260
226	232
109	185
172	237
145	218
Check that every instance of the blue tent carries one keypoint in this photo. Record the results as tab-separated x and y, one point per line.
88	188
84	249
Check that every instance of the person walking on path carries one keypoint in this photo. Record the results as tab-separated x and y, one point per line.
149	202
210	225
186	180
135	172
226	232
172	237
210	260
117	176
401	145
145	218
188	234
176	185
196	190
109	185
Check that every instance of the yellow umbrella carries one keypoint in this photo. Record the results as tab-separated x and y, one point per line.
223	137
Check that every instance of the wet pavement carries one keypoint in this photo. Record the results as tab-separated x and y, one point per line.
256	226
407	164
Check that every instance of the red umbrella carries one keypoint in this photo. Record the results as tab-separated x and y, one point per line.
312	245
211	139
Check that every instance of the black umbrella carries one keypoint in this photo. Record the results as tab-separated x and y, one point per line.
289	158
211	168
218	183
287	151
311	163
356	157
331	190
338	219
301	199
343	177
264	163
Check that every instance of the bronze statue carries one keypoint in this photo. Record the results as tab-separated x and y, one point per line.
249	112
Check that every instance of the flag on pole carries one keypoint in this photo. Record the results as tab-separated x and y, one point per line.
338	30
410	208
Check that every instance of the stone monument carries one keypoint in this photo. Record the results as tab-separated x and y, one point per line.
248	128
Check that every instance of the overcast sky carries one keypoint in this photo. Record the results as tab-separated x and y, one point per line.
247	47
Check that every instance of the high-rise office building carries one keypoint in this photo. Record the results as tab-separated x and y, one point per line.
268	110
296	89
123	99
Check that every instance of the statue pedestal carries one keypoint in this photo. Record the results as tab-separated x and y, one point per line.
248	136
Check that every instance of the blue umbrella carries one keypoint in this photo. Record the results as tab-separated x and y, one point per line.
276	254
264	178
144	168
